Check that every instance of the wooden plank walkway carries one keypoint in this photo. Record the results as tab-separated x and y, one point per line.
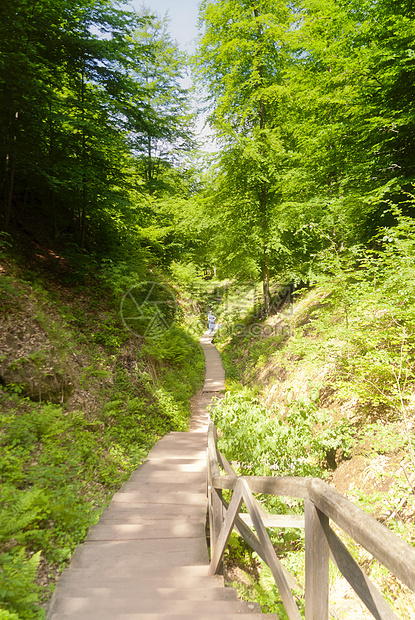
147	558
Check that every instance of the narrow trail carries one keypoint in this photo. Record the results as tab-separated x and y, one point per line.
147	558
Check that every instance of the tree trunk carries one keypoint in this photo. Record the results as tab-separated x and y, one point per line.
11	166
52	203
84	177
83	215
265	283
9	197
52	207
263	199
150	168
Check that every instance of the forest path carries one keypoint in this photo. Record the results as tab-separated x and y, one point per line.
147	558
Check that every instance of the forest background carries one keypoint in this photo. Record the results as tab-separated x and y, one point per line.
103	186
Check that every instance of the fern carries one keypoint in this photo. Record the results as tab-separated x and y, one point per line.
266	578
18	589
17	516
8	615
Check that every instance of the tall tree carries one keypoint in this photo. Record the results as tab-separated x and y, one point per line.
314	107
86	89
164	126
353	82
242	58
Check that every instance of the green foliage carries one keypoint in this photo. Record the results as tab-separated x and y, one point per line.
266	593
188	275
7	288
120	276
171	346
18	590
100	85
60	465
20	511
7	615
270	442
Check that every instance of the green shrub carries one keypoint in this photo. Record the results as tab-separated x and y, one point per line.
18	590
268	442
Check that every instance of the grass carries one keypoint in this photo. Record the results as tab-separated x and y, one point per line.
63	455
357	367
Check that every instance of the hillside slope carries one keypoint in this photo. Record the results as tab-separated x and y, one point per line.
326	389
82	400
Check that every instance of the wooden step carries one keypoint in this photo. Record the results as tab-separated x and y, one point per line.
141	554
147	530
145	616
142	577
200	593
138	512
176	463
161	494
133	604
148	475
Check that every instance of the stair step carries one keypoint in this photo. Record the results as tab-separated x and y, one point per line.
195	480
147	473
142	577
136	604
143	510
179	441
158	593
140	554
173	449
176	462
161	494
146	530
138	616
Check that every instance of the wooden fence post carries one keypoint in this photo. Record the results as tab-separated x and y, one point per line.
317	557
215	505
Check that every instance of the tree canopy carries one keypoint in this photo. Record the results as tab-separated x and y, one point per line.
89	91
311	104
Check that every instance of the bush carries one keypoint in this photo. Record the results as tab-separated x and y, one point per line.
270	442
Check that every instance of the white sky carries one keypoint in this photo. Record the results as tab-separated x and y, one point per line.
183	15
183	18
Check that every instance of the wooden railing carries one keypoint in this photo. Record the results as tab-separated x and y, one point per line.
322	503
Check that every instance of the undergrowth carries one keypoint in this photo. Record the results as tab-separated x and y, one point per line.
61	461
332	396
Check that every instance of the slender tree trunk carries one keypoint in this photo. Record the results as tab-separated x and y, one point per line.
9	197
11	166
149	165
52	207
52	203
84	178
263	195
263	200
83	215
266	283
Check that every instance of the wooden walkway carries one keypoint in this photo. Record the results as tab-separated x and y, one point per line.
147	558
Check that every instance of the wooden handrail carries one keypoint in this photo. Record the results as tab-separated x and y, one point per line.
322	504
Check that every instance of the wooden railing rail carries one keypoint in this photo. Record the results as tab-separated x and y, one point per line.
321	504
